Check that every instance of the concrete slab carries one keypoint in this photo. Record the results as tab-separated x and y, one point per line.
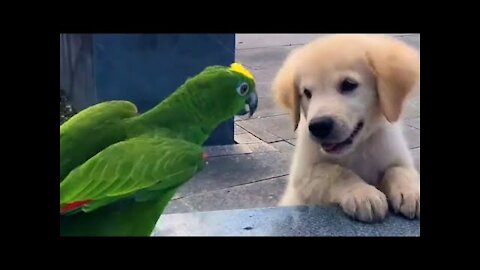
227	150
238	130
261	147
280	126
267	107
246	138
282	221
264	89
251	41
283	146
263	59
229	171
255	128
259	194
413	136
177	206
412	109
413	122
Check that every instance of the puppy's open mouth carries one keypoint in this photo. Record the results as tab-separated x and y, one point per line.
338	147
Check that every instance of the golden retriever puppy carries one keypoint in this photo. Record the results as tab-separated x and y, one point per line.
346	94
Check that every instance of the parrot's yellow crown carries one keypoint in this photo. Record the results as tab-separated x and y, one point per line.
237	67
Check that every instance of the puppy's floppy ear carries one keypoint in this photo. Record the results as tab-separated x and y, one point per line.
285	88
397	69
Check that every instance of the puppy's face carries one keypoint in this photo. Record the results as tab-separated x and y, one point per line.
345	85
339	102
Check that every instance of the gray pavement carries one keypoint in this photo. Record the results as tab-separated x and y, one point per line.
282	221
253	173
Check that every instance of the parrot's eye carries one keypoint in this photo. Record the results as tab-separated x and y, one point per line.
242	90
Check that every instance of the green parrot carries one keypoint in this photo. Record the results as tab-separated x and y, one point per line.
119	169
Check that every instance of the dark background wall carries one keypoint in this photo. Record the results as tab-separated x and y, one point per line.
142	68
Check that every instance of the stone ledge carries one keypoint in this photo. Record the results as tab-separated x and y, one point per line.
281	221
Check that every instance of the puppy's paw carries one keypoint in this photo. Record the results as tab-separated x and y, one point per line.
406	200
402	188
365	203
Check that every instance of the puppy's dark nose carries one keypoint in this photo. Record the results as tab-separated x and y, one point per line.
321	127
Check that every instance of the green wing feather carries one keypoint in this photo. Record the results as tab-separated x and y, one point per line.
92	130
137	167
124	218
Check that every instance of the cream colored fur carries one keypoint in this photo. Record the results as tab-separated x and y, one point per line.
378	168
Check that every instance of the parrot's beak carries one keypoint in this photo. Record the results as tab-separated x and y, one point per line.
252	102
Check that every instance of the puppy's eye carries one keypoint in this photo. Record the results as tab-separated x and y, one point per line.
348	85
307	93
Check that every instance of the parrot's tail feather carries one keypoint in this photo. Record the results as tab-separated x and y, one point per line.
72	206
